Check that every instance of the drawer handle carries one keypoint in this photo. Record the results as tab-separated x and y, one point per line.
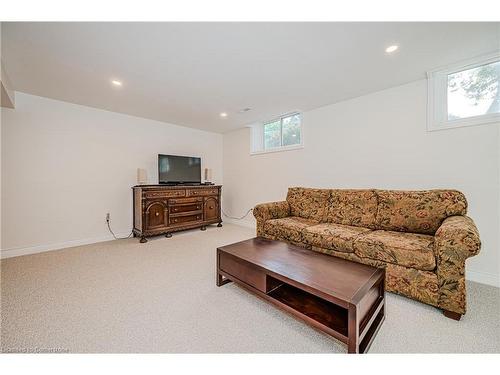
175	220
211	207
198	207
175	209
157	214
195	192
198	217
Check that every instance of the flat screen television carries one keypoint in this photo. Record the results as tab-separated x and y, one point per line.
174	169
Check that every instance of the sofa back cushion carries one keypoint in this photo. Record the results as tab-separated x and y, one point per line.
417	211
353	207
308	203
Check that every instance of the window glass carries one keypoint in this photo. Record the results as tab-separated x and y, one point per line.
279	134
474	92
272	134
291	130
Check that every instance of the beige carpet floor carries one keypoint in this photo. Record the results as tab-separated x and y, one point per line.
122	296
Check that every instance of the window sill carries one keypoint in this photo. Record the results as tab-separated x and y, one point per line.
277	149
473	121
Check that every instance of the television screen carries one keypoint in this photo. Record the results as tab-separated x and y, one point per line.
178	169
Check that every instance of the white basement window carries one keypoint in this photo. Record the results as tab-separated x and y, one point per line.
281	134
465	94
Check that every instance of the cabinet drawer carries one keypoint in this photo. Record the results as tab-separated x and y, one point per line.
185	200
176	220
185	208
243	271
165	194
201	192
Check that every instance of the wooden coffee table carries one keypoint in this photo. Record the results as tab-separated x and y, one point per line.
339	297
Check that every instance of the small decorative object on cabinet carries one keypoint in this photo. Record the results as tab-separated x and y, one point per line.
142	176
162	209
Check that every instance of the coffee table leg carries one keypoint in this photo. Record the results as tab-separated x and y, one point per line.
221	280
353	331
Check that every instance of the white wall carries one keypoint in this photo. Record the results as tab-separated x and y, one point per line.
64	166
377	141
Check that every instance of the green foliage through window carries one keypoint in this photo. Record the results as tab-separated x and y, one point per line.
285	131
474	92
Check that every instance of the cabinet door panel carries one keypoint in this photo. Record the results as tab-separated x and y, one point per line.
156	215
211	208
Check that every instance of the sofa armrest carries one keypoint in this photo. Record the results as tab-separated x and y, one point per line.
266	211
456	239
271	210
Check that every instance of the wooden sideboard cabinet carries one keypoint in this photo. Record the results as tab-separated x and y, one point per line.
162	209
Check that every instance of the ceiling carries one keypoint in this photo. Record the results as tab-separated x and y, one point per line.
188	73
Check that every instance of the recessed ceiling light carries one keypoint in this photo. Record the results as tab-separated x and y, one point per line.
223	114
116	82
391	49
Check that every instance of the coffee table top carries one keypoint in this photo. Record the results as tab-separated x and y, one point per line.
333	276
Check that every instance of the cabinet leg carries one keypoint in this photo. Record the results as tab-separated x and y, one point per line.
220	224
203	227
168	235
143	240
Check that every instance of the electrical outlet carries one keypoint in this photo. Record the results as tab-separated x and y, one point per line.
107	216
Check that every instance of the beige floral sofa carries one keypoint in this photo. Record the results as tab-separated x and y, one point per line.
421	238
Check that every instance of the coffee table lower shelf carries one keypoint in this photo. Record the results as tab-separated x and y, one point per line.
348	323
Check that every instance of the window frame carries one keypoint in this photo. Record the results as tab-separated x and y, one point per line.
280	119
437	96
257	135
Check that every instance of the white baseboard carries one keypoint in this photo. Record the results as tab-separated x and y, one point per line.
18	251
483	277
243	223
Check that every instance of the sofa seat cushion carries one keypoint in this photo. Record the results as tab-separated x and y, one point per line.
333	236
288	228
405	249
